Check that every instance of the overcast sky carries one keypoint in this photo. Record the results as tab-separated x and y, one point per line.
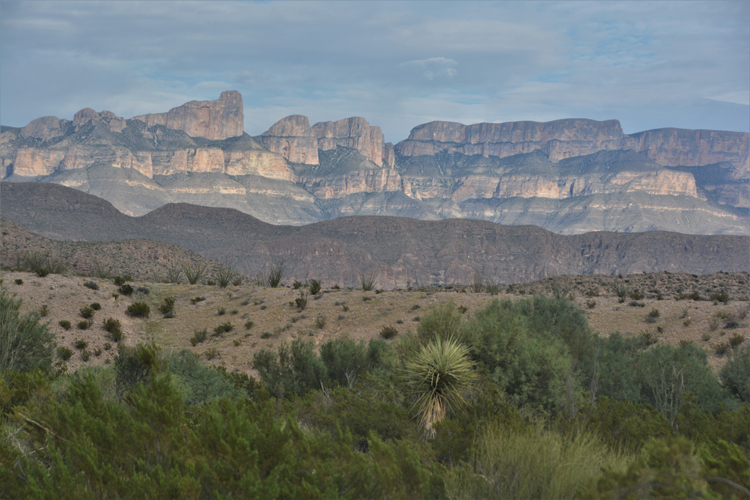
398	64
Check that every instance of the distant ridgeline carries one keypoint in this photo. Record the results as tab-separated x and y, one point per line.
568	176
401	252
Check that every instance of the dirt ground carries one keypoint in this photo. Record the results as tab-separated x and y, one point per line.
263	318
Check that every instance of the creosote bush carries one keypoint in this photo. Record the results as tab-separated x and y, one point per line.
125	289
64	353
388	332
65	324
114	328
91	284
138	310
25	343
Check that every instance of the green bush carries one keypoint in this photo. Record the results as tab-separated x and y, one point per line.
85	324
199	336
223	328
315	286
345	360
80	344
96	306
114	328
92	285
199	383
442	323
388	332
64	353
65	324
301	301
168	305
86	312
138	310
735	374
125	289
295	369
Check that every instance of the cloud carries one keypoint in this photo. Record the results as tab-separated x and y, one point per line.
649	63
433	67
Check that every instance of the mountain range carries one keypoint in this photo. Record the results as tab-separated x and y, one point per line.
401	251
569	176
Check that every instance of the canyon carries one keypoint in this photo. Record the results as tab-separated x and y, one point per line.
569	176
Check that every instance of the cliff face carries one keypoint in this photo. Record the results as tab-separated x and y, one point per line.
672	146
214	120
353	133
293	138
559	139
559	174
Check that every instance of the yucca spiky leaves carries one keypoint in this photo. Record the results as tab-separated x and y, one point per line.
436	375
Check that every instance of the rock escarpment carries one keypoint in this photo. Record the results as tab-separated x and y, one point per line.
569	176
559	139
214	120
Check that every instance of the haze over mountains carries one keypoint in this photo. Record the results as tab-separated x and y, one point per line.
568	176
401	251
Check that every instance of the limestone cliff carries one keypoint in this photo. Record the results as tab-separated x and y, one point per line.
293	138
673	147
353	133
215	120
559	139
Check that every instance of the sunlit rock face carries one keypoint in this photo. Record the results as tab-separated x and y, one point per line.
569	176
214	120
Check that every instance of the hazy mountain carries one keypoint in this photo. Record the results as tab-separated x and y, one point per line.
569	176
403	251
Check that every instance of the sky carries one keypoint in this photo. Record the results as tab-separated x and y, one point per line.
649	64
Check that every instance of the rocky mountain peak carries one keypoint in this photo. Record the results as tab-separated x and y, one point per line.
45	128
214	120
292	137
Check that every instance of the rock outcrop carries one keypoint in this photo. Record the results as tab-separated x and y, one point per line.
353	133
214	120
559	139
673	147
293	138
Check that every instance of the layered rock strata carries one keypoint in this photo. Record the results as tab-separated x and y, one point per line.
214	120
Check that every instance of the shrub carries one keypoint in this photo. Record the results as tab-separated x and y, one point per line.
167	306
301	301
194	271
138	310
275	274
721	348
143	290
320	321
85	324
19	281
195	300
65	324
388	332
296	284
225	274
223	328
211	353
80	344
85	355
114	328
735	374
92	285
199	336
654	313
591	304
174	272
367	280
120	280
442	322
736	340
199	383
86	312
64	353
292	371
96	306
636	295
25	343
720	297
315	286
249	324
125	289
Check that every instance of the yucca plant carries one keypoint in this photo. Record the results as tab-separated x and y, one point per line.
436	375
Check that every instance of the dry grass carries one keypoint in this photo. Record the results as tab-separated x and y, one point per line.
275	320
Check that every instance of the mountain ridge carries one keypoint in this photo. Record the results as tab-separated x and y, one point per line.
297	173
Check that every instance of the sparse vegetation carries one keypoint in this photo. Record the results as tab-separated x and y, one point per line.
93	285
194	271
367	280
138	310
388	332
114	328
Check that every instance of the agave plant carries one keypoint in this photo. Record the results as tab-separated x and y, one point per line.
436	375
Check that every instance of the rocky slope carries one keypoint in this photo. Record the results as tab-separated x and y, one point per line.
401	251
569	176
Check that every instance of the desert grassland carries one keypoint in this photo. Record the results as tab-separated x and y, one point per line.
265	317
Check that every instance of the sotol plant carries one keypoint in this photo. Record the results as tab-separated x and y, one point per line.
436	375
